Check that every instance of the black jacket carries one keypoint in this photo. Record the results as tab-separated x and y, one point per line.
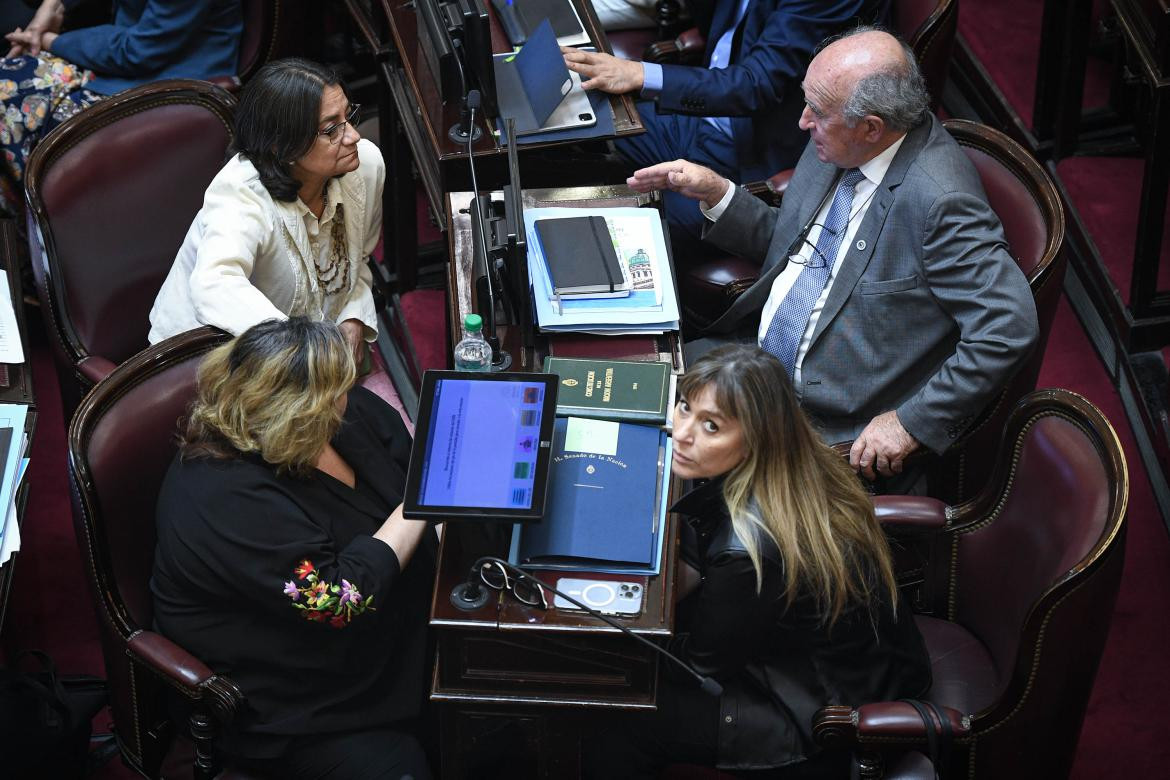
776	663
233	537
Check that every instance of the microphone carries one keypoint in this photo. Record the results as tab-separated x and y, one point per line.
465	130
501	360
472	595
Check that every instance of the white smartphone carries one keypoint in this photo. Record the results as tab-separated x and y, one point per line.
607	596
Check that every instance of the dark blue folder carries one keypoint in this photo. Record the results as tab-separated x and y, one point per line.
600	507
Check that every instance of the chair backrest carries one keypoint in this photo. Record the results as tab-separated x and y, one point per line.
112	192
1023	196
121	443
263	28
929	27
1035	572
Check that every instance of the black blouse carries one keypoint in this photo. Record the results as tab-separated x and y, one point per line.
278	583
778	664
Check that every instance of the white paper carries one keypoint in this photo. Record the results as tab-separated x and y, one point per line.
11	350
599	437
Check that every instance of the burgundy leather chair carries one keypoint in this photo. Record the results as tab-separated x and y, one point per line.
1025	595
111	194
121	442
268	28
1023	196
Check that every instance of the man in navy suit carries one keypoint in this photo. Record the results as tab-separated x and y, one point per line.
738	113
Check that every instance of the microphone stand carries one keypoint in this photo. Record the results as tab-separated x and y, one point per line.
473	594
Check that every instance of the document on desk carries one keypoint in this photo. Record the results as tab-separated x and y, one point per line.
11	350
652	306
13	443
606	507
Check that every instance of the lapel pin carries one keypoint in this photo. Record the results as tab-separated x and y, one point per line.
861	245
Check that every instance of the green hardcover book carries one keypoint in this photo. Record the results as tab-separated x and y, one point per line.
611	389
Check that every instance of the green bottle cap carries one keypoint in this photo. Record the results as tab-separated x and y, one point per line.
473	322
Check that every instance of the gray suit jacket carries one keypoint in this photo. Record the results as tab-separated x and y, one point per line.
928	314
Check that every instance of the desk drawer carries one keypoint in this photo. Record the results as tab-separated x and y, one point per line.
539	668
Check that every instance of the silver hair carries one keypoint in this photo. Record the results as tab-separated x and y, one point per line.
896	93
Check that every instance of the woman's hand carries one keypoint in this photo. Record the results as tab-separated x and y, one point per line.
354	332
40	32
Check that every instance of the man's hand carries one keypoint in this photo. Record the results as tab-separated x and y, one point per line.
354	332
48	19
883	445
604	71
685	178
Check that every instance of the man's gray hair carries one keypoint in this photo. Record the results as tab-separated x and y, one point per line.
896	93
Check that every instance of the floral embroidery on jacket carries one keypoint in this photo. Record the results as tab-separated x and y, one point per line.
322	601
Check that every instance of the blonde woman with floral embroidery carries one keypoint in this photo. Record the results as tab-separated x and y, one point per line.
49	73
284	561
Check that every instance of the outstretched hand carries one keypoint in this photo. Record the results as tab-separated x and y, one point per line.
882	446
686	178
604	71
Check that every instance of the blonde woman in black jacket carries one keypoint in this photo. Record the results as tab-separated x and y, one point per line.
797	606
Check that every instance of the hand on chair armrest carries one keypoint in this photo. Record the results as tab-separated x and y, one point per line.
686	49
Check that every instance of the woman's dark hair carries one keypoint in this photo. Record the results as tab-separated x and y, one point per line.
276	122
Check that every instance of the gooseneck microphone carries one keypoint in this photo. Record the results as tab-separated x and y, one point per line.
473	594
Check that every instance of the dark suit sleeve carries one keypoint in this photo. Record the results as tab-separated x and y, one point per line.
764	71
746	228
729	619
977	282
162	31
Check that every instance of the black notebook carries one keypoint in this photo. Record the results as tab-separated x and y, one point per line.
580	256
520	18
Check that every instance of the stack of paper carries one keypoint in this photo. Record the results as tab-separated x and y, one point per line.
637	236
13	464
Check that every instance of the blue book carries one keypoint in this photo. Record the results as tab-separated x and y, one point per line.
604	497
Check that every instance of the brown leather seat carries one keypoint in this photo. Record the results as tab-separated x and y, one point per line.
1025	596
121	443
111	194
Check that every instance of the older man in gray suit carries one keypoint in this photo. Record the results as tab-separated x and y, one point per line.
886	288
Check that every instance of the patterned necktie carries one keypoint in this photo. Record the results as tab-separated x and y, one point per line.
791	317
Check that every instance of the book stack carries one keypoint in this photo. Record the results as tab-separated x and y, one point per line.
575	288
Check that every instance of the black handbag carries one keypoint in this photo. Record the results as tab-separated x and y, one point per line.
46	719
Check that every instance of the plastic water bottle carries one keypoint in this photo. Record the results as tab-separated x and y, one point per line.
473	353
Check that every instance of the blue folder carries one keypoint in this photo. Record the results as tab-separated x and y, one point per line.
602	511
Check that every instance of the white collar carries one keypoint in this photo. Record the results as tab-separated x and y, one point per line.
875	169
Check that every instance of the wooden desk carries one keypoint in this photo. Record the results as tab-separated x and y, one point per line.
414	121
516	686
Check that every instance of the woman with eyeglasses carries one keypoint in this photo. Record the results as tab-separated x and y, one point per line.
283	560
287	224
796	605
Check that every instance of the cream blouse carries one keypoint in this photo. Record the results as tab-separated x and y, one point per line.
248	258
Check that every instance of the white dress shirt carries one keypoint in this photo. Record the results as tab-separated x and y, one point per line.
874	171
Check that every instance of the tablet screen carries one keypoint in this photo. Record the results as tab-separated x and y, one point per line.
478	447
